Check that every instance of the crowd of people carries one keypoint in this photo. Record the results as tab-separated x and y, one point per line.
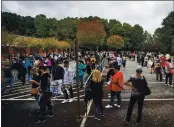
138	83
159	64
48	78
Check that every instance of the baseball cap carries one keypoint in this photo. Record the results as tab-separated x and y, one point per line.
139	69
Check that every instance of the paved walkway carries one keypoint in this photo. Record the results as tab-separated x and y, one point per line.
158	108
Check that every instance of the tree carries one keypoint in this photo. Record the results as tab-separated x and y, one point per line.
164	35
41	26
136	37
91	33
115	42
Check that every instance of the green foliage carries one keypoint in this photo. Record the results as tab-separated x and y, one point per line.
163	36
66	29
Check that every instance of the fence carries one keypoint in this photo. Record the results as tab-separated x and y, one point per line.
100	67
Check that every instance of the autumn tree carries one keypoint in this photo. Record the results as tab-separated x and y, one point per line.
91	33
115	42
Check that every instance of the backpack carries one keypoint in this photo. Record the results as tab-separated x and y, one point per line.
167	69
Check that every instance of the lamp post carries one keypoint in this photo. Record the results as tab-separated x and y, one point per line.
77	76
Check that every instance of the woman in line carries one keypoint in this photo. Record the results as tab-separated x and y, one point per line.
82	69
153	65
138	85
96	87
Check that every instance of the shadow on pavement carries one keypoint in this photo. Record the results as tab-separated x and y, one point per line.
22	114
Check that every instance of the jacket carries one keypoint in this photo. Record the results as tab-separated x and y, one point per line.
117	78
81	69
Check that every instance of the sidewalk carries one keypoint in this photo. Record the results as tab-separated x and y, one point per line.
155	114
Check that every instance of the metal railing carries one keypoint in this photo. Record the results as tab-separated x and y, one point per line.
100	67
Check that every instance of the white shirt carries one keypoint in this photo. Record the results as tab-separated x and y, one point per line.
119	60
68	76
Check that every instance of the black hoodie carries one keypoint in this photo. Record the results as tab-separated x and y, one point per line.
45	82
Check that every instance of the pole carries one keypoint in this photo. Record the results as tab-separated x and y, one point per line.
77	76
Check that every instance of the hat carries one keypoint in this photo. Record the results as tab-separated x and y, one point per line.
139	69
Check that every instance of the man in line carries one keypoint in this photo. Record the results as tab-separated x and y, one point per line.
67	83
57	77
119	61
116	86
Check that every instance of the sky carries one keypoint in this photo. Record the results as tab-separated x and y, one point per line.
148	14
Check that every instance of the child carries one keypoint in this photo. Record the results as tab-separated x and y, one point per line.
109	75
45	95
35	83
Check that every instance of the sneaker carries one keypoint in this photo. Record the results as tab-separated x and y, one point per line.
70	100
65	101
108	106
117	105
50	115
40	121
102	115
166	84
172	86
97	118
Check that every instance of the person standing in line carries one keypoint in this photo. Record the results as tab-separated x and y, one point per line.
49	63
142	60
82	69
67	83
93	61
153	65
45	95
88	67
146	61
96	87
35	83
138	86
8	78
57	78
158	71
119	61
116	87
109	75
124	62
168	72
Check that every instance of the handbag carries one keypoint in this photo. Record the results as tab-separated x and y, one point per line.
147	91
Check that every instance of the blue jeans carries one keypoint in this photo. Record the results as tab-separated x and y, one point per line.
7	81
113	94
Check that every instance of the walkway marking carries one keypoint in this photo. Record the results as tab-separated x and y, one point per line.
88	108
15	93
104	100
86	114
